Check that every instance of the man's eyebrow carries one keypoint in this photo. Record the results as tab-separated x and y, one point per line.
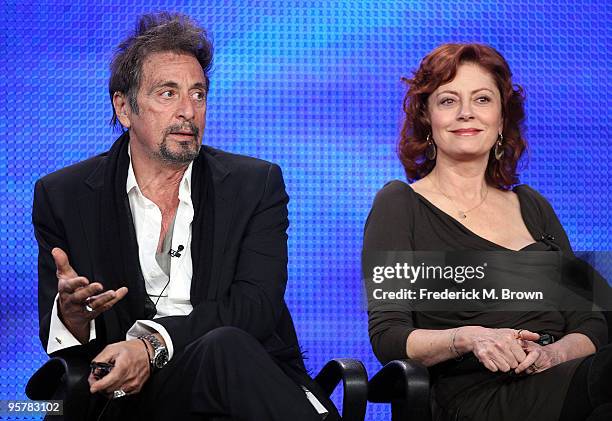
447	91
171	84
163	84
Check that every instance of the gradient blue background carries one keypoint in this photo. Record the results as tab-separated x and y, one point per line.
314	87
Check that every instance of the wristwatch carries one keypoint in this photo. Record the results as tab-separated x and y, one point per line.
160	353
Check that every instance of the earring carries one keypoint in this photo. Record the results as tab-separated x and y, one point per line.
430	151
499	149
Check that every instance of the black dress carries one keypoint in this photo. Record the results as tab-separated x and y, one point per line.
401	219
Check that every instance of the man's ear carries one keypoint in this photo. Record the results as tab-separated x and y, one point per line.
122	109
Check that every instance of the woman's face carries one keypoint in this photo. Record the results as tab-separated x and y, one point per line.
465	114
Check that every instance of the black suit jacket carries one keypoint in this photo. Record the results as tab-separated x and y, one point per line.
249	255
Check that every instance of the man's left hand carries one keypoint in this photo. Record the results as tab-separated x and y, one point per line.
130	372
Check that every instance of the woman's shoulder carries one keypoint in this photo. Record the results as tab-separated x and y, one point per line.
395	186
538	208
534	197
396	196
395	190
526	189
390	222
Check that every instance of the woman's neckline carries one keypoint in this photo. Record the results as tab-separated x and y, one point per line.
472	233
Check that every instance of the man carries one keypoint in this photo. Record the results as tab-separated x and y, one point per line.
167	260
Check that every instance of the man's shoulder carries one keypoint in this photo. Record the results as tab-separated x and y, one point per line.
241	165
74	174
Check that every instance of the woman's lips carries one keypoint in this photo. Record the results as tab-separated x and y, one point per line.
466	132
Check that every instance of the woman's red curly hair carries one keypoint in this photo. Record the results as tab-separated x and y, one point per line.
440	67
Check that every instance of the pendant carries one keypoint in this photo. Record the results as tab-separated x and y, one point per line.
462	215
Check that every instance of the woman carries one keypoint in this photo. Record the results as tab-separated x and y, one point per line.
460	145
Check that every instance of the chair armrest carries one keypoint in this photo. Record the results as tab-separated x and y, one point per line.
401	380
354	382
56	377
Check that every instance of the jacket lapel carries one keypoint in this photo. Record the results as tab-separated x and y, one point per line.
223	210
90	204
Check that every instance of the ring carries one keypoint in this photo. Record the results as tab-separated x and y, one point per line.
534	367
87	306
518	334
118	394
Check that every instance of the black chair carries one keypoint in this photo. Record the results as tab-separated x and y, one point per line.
69	371
405	385
354	384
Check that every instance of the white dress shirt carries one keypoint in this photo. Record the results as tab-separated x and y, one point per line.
175	300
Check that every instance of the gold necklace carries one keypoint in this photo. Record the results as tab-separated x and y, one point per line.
460	213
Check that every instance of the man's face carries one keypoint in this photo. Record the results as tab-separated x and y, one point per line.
172	109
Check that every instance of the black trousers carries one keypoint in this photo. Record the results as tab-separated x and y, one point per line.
226	374
589	396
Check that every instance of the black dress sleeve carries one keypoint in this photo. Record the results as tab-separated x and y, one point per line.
390	227
590	323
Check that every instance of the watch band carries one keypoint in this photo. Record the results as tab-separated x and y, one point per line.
147	349
160	353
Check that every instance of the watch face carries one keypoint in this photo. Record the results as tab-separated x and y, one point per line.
161	359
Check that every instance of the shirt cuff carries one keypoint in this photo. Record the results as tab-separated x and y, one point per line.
145	327
59	335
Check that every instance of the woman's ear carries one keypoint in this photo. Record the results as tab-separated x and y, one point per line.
425	114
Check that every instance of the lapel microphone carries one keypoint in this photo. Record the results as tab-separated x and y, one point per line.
546	238
172	253
177	252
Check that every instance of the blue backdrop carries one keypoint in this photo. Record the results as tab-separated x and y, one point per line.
314	87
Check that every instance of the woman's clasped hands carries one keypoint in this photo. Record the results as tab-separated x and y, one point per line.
505	349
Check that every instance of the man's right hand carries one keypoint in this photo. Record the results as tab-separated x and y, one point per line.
75	293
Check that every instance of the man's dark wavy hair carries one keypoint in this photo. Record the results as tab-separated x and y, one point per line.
154	33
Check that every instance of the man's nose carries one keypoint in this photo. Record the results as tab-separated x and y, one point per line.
185	108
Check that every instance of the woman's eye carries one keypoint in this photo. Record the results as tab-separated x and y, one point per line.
447	101
483	99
